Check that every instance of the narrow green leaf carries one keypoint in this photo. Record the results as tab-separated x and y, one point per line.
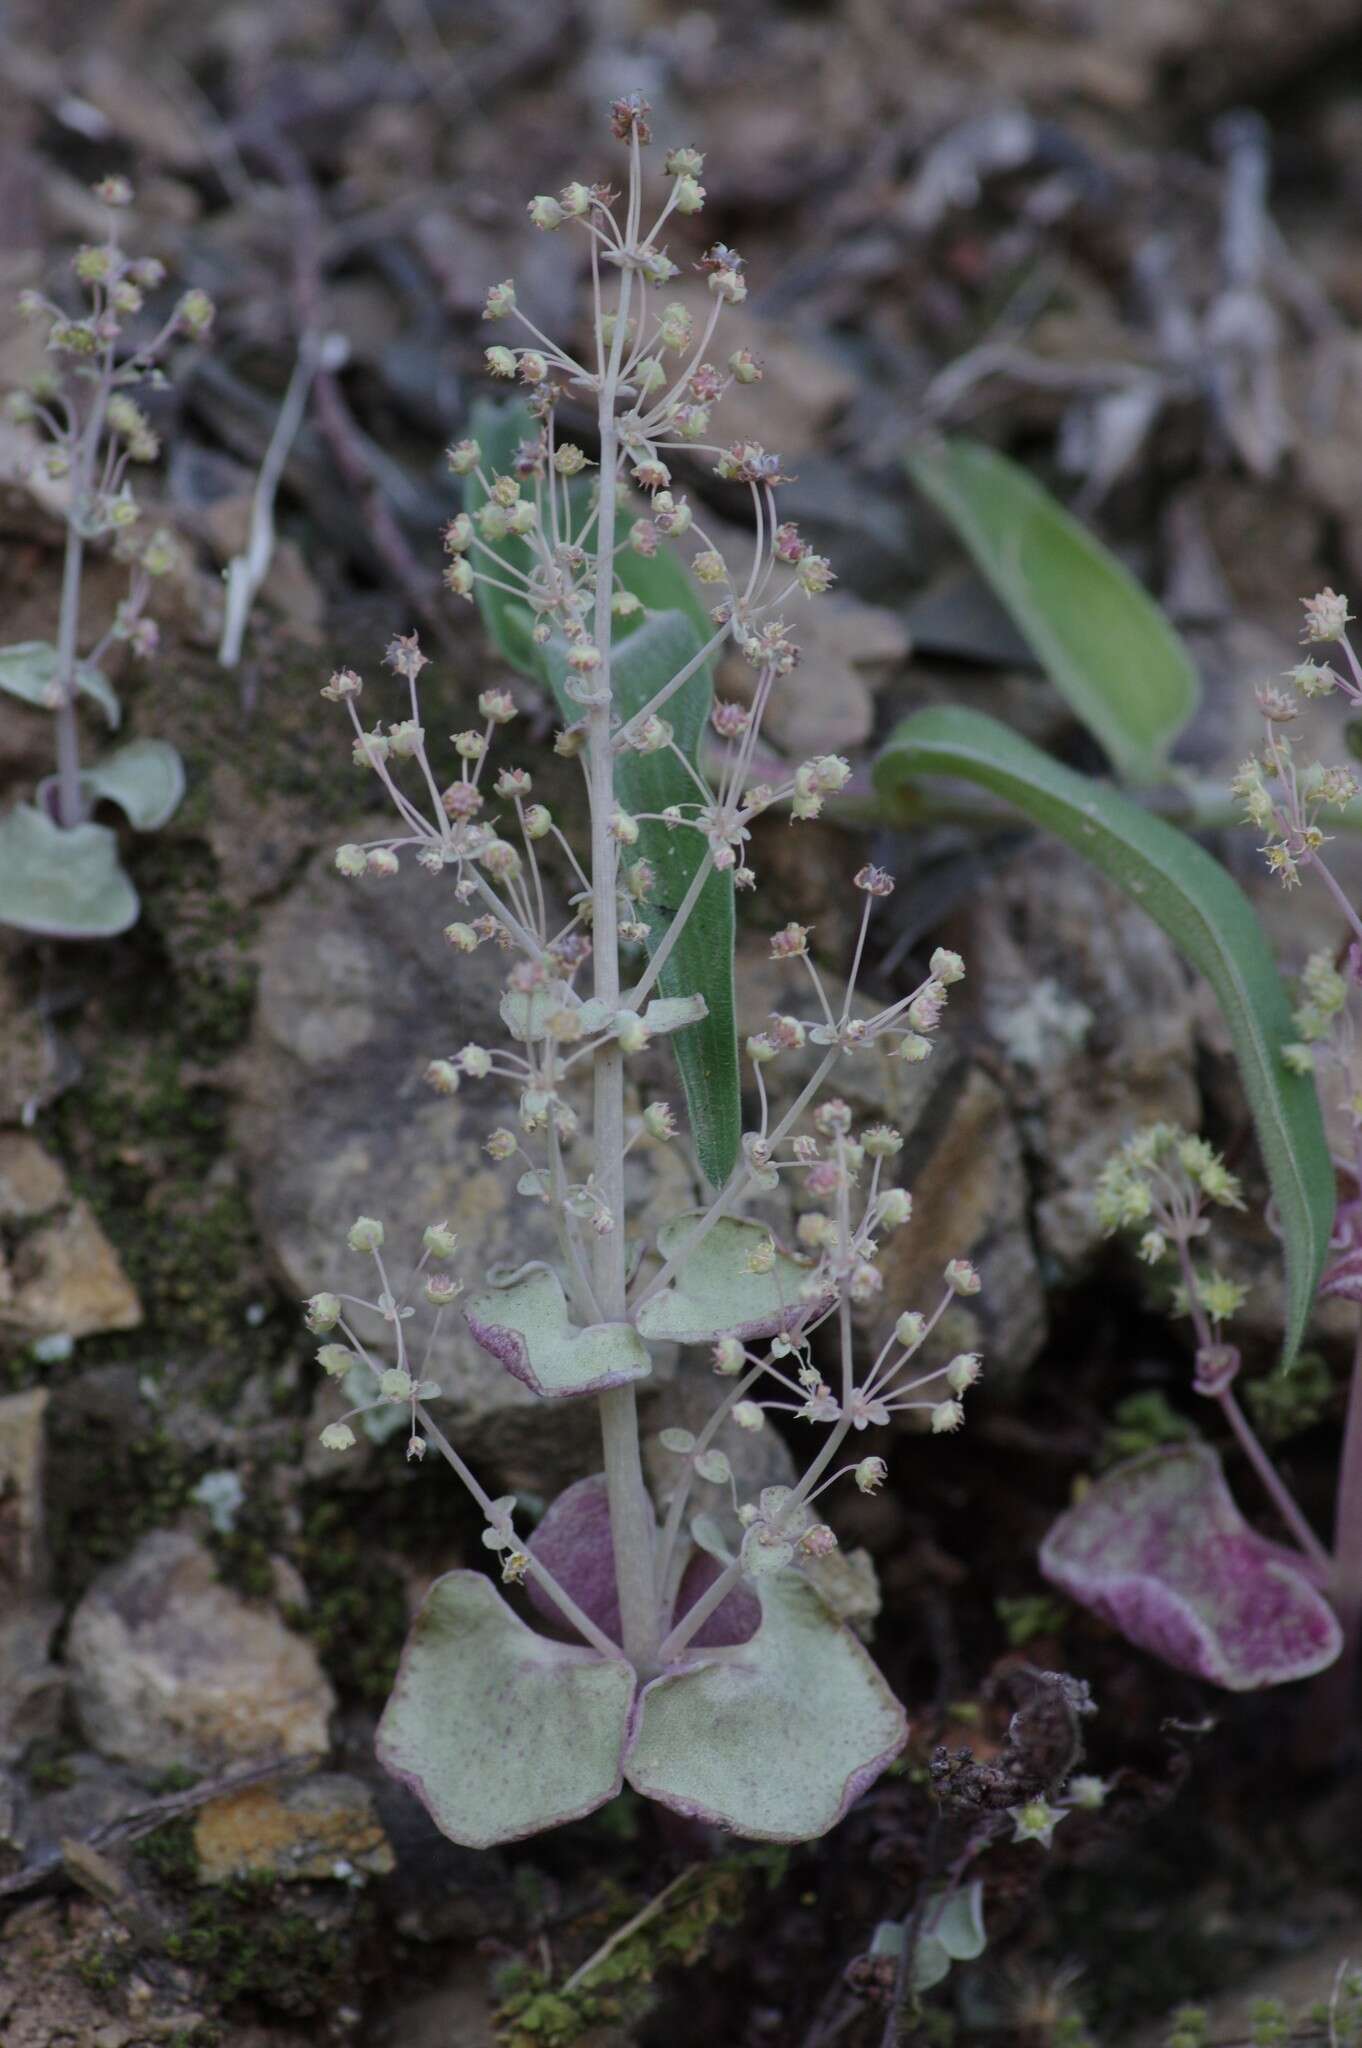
1098	634
1206	915
645	656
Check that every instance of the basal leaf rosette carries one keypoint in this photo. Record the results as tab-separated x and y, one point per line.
773	1721
527	1328
1159	1549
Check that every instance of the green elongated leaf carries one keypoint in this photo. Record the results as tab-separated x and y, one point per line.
1206	915
65	884
645	656
28	669
1102	640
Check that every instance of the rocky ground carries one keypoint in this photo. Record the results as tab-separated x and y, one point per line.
996	214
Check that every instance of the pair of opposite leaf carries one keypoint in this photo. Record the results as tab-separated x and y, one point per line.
773	1719
66	882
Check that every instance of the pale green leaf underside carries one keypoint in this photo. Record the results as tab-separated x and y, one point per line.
28	669
714	1294
1207	916
952	1932
644	659
63	884
1100	637
526	1327
498	1731
773	1739
145	779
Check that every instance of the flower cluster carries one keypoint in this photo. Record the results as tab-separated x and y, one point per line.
96	431
1164	1182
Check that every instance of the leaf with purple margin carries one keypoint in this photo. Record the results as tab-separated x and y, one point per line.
774	1738
498	1731
1158	1548
715	1294
526	1327
65	883
573	1542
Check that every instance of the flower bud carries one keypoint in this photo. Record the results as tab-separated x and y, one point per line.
659	1121
910	1329
545	212
458	577
336	1359
961	1277
462	937
500	362
946	1416
351	860
896	1208
946	966
871	1474
690	195
322	1313
337	1436
727	1356
500	300
631	1033
381	860
749	1416
441	1289
464	457
439	1240
365	1234
575	200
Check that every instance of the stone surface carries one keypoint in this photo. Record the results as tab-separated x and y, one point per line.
169	1667
23	1561
32	1687
59	1275
358	992
28	1045
322	1827
1092	1018
827	704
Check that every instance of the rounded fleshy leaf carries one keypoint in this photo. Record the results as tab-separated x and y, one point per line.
573	1541
715	1294
773	1739
1159	1549
62	884
952	1932
498	1731
526	1327
28	669
145	779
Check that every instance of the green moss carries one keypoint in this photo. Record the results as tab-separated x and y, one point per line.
251	1947
169	1854
1028	1616
102	1970
1283	1404
357	1615
621	1987
1140	1423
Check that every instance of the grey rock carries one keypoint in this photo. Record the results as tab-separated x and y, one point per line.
170	1667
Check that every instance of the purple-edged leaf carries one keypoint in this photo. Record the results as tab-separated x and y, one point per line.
65	883
775	1738
498	1731
573	1541
716	1294
1159	1549
527	1328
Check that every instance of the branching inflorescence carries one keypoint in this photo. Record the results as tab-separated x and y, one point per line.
59	872
709	1660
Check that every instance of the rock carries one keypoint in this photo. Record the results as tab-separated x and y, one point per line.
29	1060
88	1795
62	1276
23	1562
863	527
169	1667
358	991
1326	1924
460	2010
321	1827
1092	1015
32	1688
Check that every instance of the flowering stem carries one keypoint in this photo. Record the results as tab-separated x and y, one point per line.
1331	1717
633	1525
